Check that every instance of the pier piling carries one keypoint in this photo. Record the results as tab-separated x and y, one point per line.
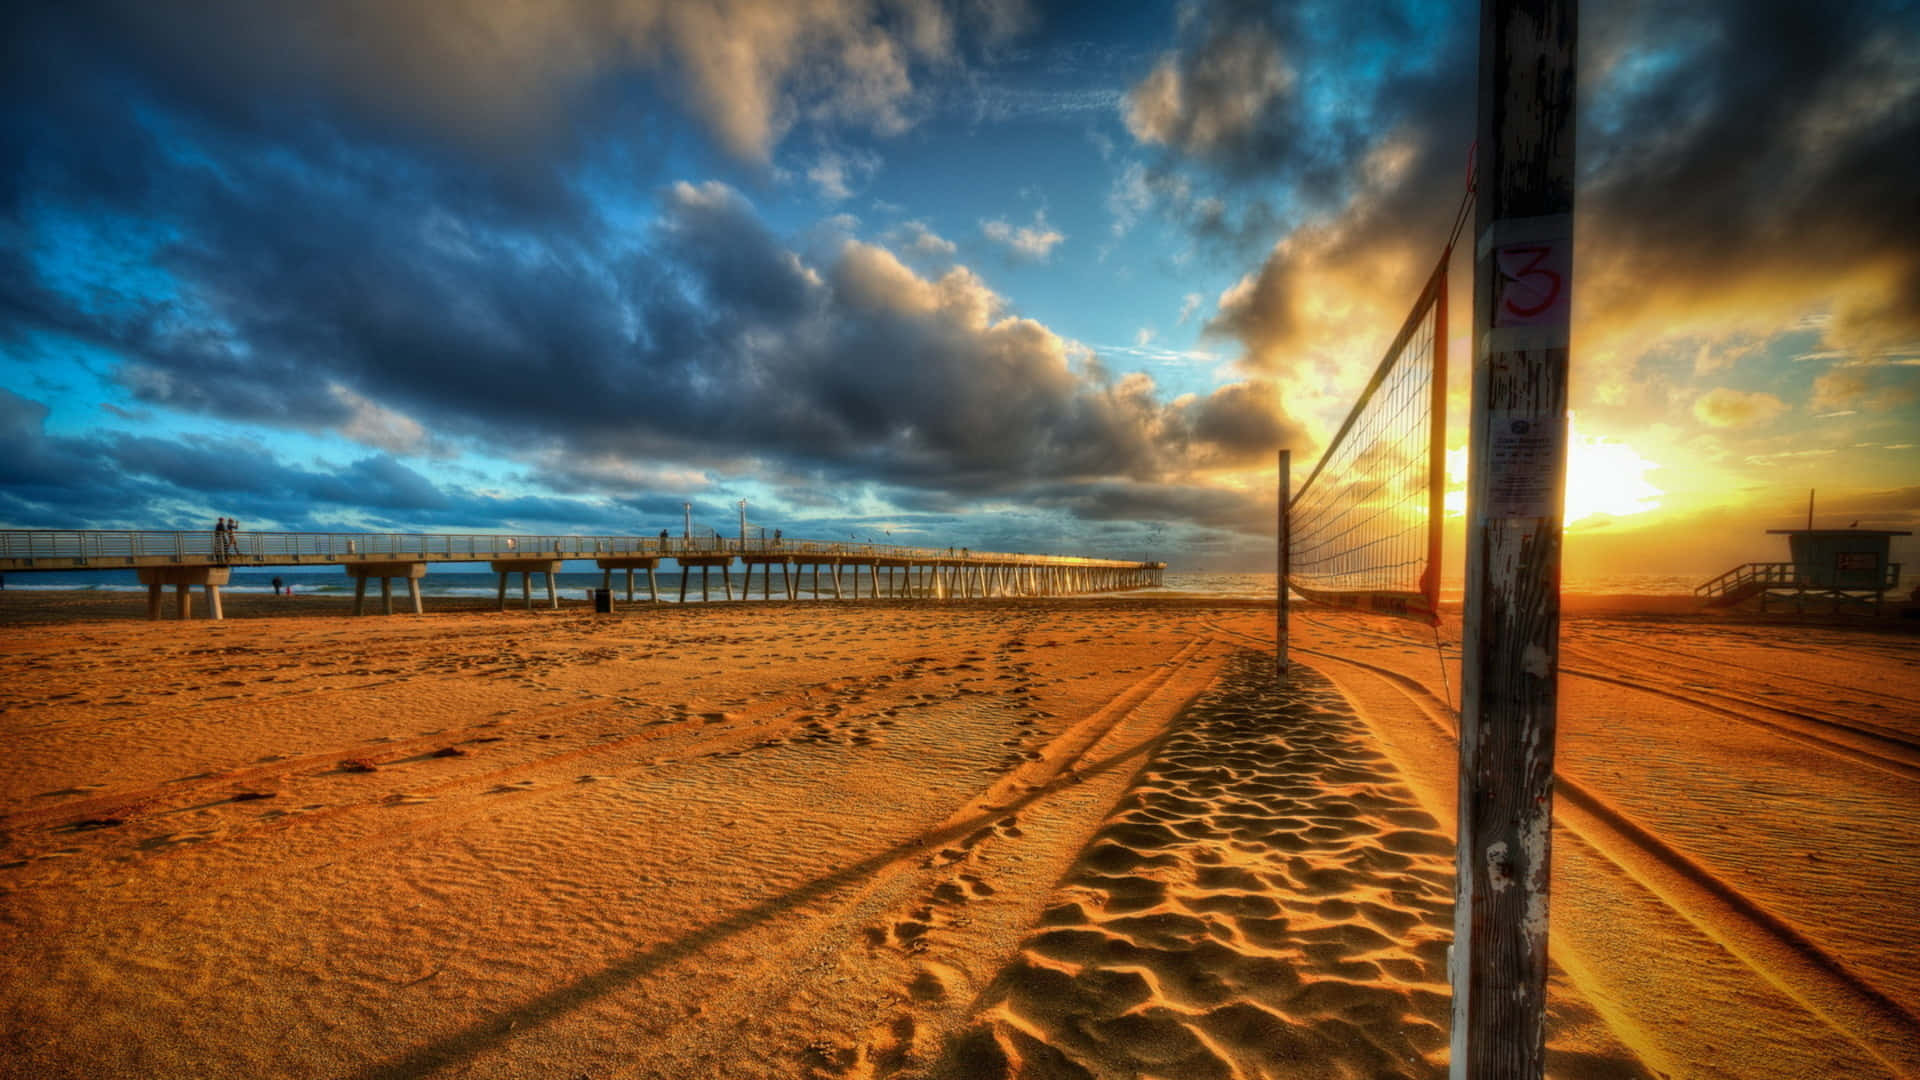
183	579
893	572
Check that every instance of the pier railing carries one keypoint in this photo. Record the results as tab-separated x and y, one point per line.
58	549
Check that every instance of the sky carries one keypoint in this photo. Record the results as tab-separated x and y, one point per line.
1010	275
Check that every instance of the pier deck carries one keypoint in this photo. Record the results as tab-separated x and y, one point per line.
206	559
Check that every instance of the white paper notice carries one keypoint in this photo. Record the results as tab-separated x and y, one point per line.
1523	456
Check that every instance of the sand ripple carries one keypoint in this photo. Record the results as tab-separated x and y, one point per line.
1266	900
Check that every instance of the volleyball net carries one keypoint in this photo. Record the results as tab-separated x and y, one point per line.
1364	530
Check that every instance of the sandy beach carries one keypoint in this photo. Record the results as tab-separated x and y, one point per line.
1071	838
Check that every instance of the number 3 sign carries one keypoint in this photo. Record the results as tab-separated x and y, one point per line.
1534	284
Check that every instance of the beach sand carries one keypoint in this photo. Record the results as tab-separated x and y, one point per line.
1016	838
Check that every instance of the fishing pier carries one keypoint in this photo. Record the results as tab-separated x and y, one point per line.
186	560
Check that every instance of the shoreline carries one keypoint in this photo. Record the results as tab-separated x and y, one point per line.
39	607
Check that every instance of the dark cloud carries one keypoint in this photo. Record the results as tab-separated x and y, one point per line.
1246	422
35	466
1769	152
115	480
737	346
1286	94
1741	164
511	81
1185	507
304	264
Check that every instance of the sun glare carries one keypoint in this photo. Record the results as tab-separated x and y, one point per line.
1604	479
1607	478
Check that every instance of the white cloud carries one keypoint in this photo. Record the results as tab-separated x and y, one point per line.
377	425
835	174
916	238
1189	304
1035	241
1130	198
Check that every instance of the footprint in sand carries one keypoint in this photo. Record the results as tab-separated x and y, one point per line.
965	888
933	982
1165	951
910	934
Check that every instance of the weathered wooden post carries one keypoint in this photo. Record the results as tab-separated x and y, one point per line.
1522	300
1283	555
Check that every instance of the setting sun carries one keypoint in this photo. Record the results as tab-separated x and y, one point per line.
1605	478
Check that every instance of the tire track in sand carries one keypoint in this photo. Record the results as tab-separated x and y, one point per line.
773	714
788	943
1690	662
904	899
1856	740
1775	950
1855	743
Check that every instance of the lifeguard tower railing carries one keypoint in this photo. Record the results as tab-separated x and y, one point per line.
1758	579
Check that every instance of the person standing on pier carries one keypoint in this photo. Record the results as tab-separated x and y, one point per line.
233	541
220	540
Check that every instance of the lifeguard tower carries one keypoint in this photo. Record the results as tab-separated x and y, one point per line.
1847	567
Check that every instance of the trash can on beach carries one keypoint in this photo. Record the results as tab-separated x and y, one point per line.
602	601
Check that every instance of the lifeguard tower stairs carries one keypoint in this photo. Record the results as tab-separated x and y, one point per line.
1843	568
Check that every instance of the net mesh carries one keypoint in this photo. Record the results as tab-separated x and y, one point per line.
1364	530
